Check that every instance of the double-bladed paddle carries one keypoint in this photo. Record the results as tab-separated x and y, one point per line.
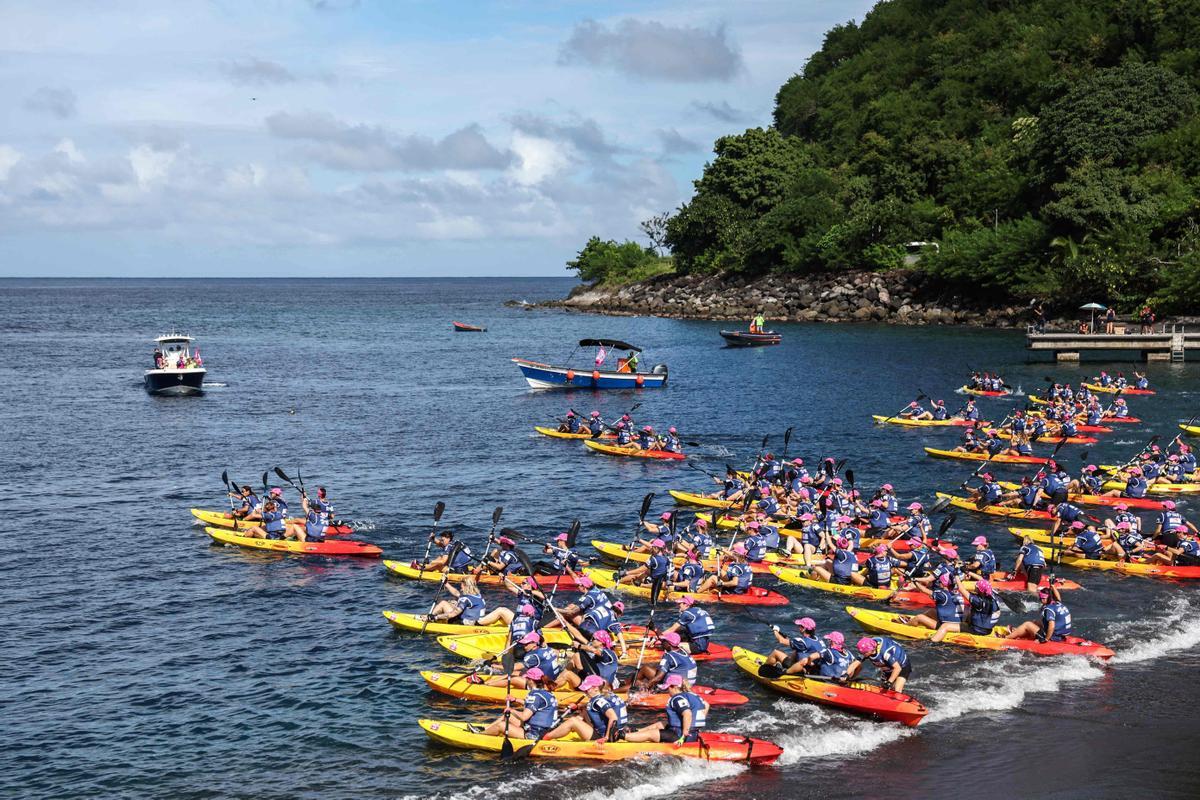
438	510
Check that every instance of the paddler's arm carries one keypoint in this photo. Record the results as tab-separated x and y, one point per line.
686	719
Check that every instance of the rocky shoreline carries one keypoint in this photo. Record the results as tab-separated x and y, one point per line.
902	297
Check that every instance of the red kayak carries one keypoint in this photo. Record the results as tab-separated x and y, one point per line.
1093	429
1001	582
1129	420
462	327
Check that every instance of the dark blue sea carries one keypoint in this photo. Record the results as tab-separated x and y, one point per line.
141	661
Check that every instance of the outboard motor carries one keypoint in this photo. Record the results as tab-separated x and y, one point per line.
661	369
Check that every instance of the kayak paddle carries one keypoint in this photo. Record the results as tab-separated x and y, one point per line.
919	398
646	501
437	516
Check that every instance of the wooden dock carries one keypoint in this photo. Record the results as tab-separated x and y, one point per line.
1170	343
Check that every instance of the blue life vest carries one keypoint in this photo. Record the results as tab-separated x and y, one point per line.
1034	557
544	659
658	566
697	622
606	663
987	561
691	572
544	706
743	574
805	645
889	653
756	547
1169	521
834	663
1061	616
685	701
879	571
598	708
675	662
273	522
1089	542
948	604
472	606
985	614
521	626
845	563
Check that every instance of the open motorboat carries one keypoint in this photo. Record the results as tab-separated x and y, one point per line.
178	369
596	375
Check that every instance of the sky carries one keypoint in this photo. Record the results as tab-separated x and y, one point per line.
368	137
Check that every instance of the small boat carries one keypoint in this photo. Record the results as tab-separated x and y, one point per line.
625	376
177	370
747	339
555	433
984	392
462	327
999	459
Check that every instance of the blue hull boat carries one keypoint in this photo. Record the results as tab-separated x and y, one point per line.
626	376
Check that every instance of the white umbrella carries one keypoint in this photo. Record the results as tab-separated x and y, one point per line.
1093	307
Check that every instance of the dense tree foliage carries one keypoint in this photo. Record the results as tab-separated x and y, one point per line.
1051	147
610	262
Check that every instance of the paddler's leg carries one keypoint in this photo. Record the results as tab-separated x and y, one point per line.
943	629
822	574
857	578
707	584
500	614
257	532
923	621
575	725
650	733
567	681
1026	630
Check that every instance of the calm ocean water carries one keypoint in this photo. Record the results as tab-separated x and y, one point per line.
144	662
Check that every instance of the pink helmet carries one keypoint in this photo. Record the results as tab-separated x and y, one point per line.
685	600
505	541
753	525
887	487
666	515
808	623
837	481
562	537
671	638
657	543
591	682
276	492
647	429
570	413
835	638
1169	505
876	504
979	540
740	549
533	637
602	636
534	674
526	609
595	413
944	580
948	552
701	522
1123	526
1077	525
915	506
984	586
1090	468
619	606
673	679
842	541
799	462
584	581
671	429
866	645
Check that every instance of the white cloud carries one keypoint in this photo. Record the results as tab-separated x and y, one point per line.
654	50
537	159
9	156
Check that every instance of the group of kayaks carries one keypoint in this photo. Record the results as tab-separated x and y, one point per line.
604	443
224	528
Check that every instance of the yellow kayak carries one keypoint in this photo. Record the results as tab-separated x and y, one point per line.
1192	430
616	550
415	622
756	596
1159	487
492	644
329	547
996	511
803	578
1042	536
890	622
223	519
555	433
404	569
458	684
631	451
924	423
711	747
693	499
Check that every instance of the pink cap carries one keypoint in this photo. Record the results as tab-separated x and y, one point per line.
506	542
837	481
619	606
1077	525
671	638
1090	468
533	637
1169	505
943	579
531	582
877	504
595	413
808	623
987	476
602	636
915	506
1121	506
584	581
647	429
1044	592
570	413
979	540
534	673
562	537
880	549
276	492
657	543
685	600
753	525
1123	526
887	487
526	609
701	522
1135	470
671	429
806	479
665	515
984	586
844	518
740	549
948	552
842	541
836	638
591	682
673	680
799	462
913	404
866	645
807	517
1180	529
